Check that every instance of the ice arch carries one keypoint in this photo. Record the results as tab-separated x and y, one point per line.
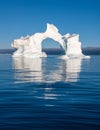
30	46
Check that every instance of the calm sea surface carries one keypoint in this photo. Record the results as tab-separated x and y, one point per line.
49	93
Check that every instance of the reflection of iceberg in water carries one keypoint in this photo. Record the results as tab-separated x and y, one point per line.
66	71
73	68
37	70
27	70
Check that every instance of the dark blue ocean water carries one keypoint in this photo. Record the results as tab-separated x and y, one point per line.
49	93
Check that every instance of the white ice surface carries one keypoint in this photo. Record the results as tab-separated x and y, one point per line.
31	46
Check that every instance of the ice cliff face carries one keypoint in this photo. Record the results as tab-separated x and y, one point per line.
73	46
31	46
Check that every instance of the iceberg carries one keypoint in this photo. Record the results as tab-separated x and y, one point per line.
31	46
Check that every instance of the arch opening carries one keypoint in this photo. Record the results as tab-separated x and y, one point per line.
50	43
51	47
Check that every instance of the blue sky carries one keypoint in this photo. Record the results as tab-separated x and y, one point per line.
21	17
